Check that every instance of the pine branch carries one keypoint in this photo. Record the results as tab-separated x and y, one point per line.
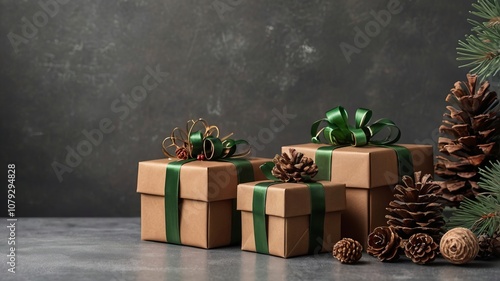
482	49
490	179
481	215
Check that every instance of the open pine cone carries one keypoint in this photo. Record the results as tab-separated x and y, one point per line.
470	138
421	248
293	167
384	243
415	208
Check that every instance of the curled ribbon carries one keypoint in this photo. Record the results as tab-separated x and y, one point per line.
205	141
338	131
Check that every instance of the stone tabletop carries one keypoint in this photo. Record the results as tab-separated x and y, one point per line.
111	249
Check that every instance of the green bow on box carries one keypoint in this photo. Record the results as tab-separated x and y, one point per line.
338	131
189	145
192	143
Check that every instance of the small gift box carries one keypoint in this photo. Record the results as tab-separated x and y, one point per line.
369	168
191	202
289	219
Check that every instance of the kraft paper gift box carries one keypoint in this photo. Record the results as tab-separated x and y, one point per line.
369	173
207	195
287	216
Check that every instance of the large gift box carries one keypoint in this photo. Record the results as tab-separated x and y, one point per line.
203	213
290	219
369	173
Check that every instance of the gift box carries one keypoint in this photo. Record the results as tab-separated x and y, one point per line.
289	216
206	211
369	173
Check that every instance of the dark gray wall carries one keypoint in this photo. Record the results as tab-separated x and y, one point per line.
236	69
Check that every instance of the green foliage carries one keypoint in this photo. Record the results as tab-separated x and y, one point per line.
481	215
482	49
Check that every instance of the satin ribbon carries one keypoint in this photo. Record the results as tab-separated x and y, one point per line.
338	133
204	141
316	220
337	130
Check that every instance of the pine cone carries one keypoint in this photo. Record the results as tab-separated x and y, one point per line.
294	167
384	243
459	245
421	248
347	250
181	153
485	247
470	134
495	244
489	247
415	208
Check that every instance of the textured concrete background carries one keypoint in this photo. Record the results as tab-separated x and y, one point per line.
72	68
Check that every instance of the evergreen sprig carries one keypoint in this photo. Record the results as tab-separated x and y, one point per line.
481	215
482	49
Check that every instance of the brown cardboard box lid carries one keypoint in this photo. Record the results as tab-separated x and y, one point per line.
199	180
369	166
291	199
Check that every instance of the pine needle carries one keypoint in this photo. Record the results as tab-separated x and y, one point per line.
482	49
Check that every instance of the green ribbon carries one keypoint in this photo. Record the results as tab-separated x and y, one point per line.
244	170
259	216
316	221
339	133
172	180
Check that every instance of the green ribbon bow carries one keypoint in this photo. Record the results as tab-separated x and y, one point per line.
207	143
316	221
338	133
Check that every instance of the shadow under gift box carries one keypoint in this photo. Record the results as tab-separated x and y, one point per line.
207	191
288	210
369	173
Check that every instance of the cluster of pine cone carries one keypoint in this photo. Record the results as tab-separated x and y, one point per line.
415	223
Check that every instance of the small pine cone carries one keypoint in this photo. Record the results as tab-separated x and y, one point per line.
181	153
347	250
485	247
421	248
293	167
459	245
495	244
384	243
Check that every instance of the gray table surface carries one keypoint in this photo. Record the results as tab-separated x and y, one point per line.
111	249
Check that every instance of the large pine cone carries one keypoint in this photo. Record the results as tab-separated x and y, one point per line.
421	248
347	250
294	167
415	208
384	243
470	134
